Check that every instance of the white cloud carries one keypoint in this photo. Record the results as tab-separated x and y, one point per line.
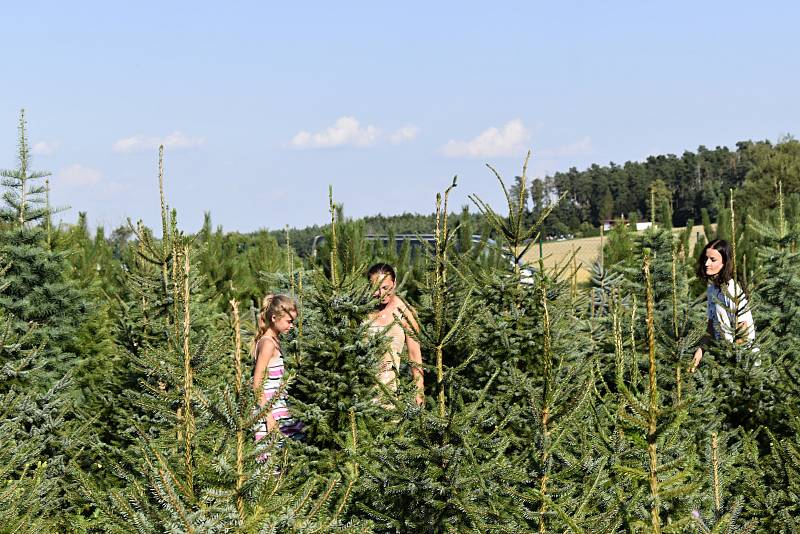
175	140
78	176
583	147
45	148
510	140
406	133
346	131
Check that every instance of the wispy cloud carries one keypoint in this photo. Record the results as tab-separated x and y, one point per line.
45	148
510	140
346	131
404	134
175	140
78	176
583	147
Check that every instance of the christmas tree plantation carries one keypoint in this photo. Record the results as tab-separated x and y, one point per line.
549	405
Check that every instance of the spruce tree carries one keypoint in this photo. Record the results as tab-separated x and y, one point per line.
777	504
191	465
728	468
37	290
537	338
445	468
654	466
44	309
335	358
24	474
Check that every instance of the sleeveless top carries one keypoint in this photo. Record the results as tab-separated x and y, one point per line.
389	364
273	381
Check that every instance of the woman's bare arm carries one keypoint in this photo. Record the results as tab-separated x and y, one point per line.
414	352
266	351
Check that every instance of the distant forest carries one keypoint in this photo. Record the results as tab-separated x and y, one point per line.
680	188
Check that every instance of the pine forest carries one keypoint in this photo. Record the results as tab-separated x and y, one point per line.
550	404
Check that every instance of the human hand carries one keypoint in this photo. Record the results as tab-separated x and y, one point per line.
420	399
741	333
698	355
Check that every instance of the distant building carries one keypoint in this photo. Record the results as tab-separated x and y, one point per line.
608	224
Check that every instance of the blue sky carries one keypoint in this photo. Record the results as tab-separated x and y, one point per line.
262	105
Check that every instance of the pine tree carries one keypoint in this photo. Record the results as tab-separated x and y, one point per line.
92	269
653	478
619	242
37	291
445	469
23	475
44	309
192	465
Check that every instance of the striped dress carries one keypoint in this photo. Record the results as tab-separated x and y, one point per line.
273	381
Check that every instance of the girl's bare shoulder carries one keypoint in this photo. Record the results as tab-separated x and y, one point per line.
267	347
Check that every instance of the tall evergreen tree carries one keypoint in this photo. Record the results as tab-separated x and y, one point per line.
445	467
44	308
37	290
24	473
191	464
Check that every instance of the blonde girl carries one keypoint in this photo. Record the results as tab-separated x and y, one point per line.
277	316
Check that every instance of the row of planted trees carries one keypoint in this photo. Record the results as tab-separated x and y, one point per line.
550	407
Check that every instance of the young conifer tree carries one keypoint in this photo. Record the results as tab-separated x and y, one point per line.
37	290
219	263
192	464
23	474
777	505
537	338
93	269
334	356
776	309
44	309
758	389
161	381
743	376
446	468
654	479
729	467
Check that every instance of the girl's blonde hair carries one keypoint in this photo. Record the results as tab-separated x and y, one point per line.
273	306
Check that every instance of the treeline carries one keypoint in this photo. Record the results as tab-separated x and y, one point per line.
672	188
677	188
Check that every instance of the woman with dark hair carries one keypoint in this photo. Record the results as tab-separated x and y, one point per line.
394	318
728	311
